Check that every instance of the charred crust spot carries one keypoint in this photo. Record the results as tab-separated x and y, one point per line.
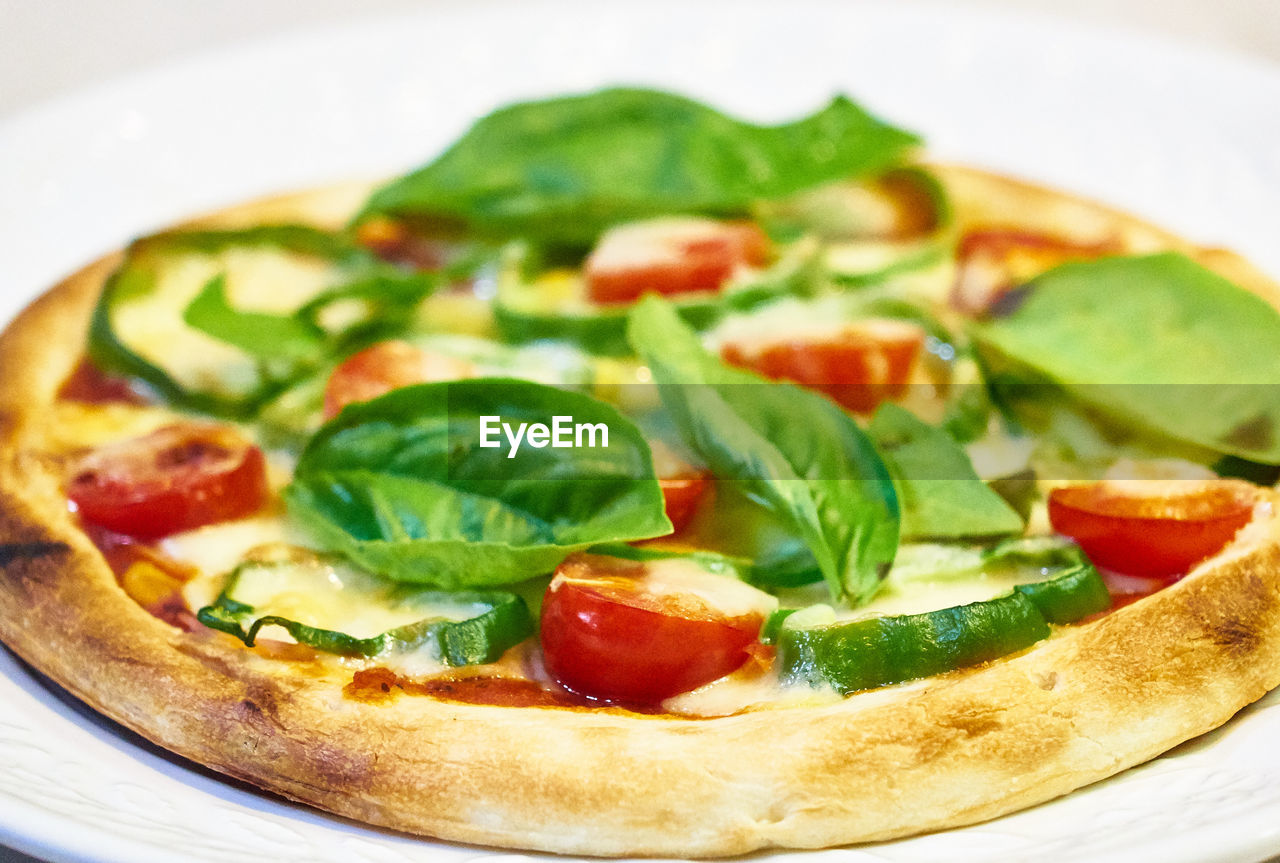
14	552
1234	636
26	564
972	725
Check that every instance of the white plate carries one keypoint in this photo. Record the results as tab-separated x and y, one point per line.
1186	138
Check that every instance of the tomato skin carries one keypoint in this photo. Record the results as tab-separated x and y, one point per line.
858	367
1159	533
683	486
676	264
384	367
176	478
605	637
994	260
681	496
87	383
395	242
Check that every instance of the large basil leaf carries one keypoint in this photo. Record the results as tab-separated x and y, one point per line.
1156	343
563	169
940	493
402	485
792	450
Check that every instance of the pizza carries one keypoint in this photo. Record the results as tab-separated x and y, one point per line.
636	480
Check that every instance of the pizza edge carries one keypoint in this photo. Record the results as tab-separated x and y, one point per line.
955	750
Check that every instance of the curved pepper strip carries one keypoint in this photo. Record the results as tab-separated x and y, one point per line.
359	274
878	651
484	638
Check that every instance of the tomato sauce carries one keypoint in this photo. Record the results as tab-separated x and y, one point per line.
379	684
89	384
122	553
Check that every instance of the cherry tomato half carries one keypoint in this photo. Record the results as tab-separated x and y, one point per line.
176	478
386	366
683	486
613	631
1149	528
671	257
859	366
681	496
993	260
399	244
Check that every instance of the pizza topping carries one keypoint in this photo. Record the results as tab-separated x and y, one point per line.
565	169
684	487
1152	529
139	327
541	299
671	256
939	492
174	479
640	632
222	321
279	319
821	477
992	261
681	496
159	591
379	684
1199	372
387	366
88	384
859	363
310	597
411	486
877	651
398	243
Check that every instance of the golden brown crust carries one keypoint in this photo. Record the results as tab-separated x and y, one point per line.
954	750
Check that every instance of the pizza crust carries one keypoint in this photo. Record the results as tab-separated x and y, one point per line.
949	751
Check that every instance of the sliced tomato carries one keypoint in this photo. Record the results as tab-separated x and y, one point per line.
681	496
858	365
630	632
87	383
387	366
671	256
177	478
683	486
397	243
1152	529
994	260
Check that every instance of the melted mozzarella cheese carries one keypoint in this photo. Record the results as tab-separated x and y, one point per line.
257	279
729	596
216	549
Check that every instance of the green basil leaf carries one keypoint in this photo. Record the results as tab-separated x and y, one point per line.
939	491
794	451
263	335
564	169
403	486
377	305
1155	343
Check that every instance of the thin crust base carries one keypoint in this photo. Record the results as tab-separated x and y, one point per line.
955	750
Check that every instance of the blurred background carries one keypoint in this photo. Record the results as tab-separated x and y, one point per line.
54	46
